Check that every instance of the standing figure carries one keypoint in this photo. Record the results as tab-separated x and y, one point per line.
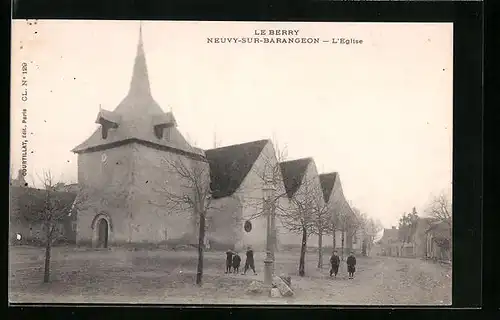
249	263
229	260
236	262
335	262
351	265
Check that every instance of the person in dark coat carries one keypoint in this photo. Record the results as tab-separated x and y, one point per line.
335	262
351	265
236	262
249	263
229	260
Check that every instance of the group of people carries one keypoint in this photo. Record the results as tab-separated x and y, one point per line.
233	261
335	263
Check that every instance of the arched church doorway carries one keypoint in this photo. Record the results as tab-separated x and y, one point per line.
102	233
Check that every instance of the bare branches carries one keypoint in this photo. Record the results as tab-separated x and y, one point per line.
440	208
192	179
49	207
373	227
305	205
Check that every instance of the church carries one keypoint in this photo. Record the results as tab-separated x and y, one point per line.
125	172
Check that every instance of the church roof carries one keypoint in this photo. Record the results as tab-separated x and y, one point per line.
135	117
327	181
293	173
230	165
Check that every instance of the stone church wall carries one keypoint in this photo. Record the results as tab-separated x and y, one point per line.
157	214
105	177
223	223
128	188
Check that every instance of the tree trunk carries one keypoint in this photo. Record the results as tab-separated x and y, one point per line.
303	247
201	246
46	274
320	250
342	245
334	239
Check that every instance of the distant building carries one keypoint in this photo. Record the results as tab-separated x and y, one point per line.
439	241
389	243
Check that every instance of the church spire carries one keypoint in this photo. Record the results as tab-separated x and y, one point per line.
139	86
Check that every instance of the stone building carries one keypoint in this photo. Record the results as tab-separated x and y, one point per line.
390	244
129	172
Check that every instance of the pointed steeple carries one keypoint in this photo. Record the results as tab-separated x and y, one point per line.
139	86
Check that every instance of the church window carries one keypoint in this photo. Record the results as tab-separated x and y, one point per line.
159	132
248	226
162	131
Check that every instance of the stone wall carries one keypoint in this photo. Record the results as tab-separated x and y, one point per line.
224	220
132	189
105	178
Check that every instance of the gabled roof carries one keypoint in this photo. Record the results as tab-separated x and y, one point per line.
230	165
390	234
293	173
327	181
26	203
134	119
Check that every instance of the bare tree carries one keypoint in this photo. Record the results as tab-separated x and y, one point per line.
355	223
407	226
372	228
194	196
440	209
322	224
299	218
49	208
343	220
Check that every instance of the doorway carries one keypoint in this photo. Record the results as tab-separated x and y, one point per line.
102	234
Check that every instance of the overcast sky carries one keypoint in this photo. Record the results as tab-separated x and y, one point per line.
379	113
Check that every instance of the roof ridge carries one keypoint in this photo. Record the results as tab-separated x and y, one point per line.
239	144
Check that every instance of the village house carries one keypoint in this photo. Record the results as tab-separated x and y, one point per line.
390	243
419	238
439	241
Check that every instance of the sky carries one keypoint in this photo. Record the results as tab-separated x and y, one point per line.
379	112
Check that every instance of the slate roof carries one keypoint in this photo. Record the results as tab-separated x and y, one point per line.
136	116
230	165
293	173
327	181
27	202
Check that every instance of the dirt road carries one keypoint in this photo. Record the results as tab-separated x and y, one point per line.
121	276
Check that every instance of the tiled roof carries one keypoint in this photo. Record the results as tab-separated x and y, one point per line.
327	181
293	173
230	165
